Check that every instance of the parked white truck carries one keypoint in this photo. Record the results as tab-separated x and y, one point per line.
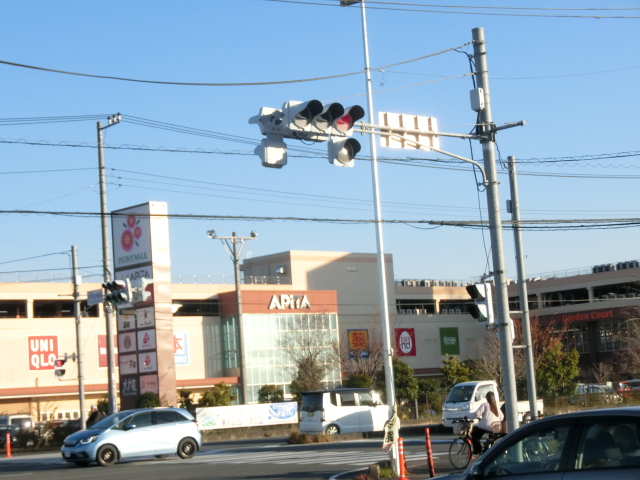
468	396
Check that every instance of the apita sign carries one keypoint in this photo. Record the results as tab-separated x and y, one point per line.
281	302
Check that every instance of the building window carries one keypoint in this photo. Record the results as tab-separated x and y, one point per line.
197	308
611	334
576	337
52	309
13	309
352	268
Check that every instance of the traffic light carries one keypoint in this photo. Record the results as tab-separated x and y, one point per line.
119	292
311	121
58	367
142	290
482	311
342	151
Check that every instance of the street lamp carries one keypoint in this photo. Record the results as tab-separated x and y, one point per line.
234	246
106	264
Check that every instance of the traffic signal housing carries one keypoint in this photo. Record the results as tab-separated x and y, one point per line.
58	367
311	121
482	311
142	290
118	292
342	151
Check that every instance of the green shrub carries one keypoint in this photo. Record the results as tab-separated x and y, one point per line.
148	400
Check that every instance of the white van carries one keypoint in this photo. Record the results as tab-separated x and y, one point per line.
342	410
465	398
17	420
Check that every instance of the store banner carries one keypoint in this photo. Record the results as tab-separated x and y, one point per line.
102	350
181	348
211	418
406	342
449	341
358	343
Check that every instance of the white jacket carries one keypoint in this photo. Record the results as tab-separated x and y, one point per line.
486	416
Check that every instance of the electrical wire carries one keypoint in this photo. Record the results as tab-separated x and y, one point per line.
424	10
226	84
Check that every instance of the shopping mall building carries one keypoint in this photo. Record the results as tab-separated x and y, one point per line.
336	293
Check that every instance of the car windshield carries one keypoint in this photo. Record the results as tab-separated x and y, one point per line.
460	393
110	421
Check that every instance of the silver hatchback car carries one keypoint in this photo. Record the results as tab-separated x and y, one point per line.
133	433
588	445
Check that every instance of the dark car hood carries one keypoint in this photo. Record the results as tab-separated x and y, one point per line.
82	434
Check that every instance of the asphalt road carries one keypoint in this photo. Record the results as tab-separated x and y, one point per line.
269	458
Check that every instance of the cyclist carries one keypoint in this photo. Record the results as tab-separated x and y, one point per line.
488	413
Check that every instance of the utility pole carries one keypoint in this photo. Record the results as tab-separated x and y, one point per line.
106	267
234	246
76	311
522	290
503	320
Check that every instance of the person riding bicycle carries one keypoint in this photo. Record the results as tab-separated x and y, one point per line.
488	413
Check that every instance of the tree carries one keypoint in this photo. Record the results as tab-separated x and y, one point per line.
270	394
432	393
358	381
454	371
308	344
366	359
406	385
148	400
219	396
557	371
185	401
629	356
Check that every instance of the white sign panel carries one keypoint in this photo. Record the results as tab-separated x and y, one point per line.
181	348
145	317
131	232
149	383
211	418
127	342
94	297
128	364
147	362
126	322
146	340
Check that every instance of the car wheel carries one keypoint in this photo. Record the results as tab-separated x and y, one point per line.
187	448
162	456
332	430
107	455
82	464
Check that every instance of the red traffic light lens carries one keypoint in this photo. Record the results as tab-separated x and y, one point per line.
344	123
59	363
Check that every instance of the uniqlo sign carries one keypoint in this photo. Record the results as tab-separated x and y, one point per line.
405	342
43	351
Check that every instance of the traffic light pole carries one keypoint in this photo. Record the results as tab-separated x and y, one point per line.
522	291
384	302
106	269
76	311
503	320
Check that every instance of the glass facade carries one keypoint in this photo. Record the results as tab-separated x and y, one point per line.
576	337
273	341
611	335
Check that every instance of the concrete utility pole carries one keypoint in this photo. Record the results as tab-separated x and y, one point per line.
234	246
522	290
106	268
503	320
77	314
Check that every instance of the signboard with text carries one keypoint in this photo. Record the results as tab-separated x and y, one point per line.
405	342
43	351
181	348
449	341
211	418
358	343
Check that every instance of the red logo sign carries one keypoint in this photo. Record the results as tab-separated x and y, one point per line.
405	342
43	351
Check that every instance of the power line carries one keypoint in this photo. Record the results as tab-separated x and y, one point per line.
549	225
227	84
425	10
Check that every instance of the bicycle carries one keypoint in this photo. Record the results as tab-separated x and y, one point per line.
461	448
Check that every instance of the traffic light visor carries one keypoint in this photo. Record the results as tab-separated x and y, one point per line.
303	116
475	293
348	151
329	114
351	116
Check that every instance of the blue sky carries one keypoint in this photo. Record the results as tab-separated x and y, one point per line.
573	80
